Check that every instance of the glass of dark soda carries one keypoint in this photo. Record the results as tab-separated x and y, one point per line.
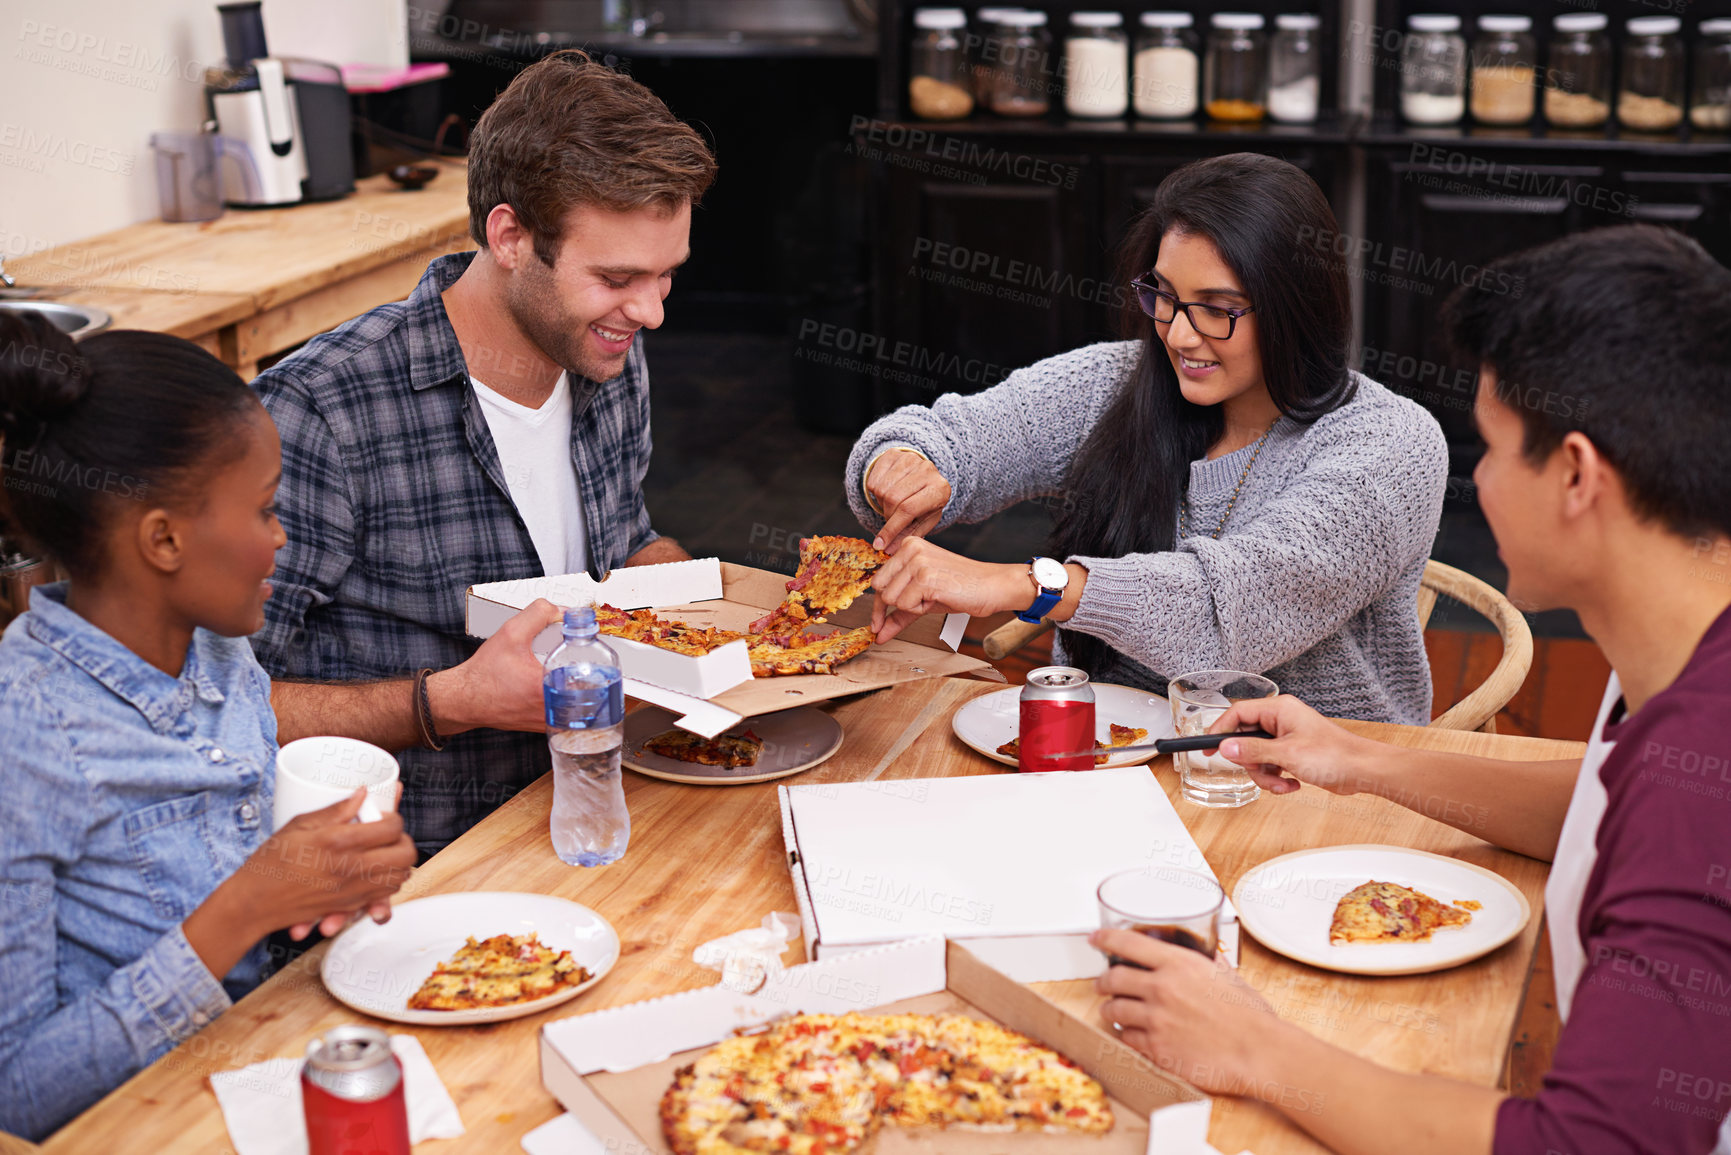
1169	903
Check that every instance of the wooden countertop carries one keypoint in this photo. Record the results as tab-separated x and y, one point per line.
266	256
705	861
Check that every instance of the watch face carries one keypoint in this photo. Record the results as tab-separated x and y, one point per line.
1050	573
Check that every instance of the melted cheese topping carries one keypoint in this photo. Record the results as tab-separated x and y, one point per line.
822	1084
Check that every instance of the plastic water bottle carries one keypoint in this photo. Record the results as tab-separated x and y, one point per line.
585	729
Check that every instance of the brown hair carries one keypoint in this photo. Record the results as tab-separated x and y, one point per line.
569	131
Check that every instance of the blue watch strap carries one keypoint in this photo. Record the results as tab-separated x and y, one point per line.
1042	605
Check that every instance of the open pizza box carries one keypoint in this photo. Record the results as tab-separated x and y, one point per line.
715	691
1007	863
610	1068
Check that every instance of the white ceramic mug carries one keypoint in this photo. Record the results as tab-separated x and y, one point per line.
313	773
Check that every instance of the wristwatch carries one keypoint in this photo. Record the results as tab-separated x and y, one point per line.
1051	576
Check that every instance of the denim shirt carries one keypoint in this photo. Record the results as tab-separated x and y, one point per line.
126	796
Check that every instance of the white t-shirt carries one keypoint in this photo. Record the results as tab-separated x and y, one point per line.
535	453
1577	853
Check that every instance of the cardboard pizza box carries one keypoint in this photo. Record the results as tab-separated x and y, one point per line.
610	1068
1007	863
715	691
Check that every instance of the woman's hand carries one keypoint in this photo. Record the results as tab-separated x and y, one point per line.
911	493
1192	1015
331	923
921	578
316	864
1306	747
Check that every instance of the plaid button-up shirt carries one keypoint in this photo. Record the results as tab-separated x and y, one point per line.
394	503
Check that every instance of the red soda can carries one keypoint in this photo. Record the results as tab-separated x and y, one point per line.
1057	708
352	1091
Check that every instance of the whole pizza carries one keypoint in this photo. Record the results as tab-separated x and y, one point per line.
824	1084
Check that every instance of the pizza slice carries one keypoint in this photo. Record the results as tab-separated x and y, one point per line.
727	750
1121	736
1387	912
833	571
496	972
809	653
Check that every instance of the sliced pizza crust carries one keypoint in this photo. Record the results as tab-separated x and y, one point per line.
810	654
1388	912
727	749
495	972
812	1084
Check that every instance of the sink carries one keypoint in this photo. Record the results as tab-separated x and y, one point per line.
76	321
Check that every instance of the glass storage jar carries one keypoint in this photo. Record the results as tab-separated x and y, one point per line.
1096	65
1710	105
939	87
1504	88
1294	69
1022	85
1578	74
1433	70
1235	72
1650	98
1167	66
985	41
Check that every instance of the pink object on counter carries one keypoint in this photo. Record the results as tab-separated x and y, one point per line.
382	78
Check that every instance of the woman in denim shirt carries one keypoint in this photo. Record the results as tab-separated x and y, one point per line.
138	871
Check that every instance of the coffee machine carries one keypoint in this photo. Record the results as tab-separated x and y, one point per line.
291	116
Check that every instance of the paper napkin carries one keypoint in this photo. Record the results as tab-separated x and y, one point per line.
261	1104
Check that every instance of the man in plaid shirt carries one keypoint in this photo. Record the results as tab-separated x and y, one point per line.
494	425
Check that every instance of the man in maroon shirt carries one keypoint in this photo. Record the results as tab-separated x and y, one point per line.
1605	404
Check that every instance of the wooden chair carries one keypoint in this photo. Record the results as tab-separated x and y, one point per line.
1476	711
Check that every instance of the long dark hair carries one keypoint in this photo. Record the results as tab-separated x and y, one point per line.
1276	232
124	416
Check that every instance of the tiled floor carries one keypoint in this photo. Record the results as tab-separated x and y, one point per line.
735	476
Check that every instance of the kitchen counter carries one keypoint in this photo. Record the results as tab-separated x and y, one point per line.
257	282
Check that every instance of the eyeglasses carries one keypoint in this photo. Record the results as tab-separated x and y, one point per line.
1208	320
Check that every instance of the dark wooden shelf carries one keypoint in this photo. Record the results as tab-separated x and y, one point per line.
1329	129
1387	129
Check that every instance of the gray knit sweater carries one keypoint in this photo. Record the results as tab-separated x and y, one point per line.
1314	581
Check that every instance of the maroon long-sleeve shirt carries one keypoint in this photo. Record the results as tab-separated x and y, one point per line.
1644	1061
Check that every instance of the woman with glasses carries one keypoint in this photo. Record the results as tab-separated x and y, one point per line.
1227	493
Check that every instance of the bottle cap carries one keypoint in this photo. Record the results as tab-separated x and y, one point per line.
1434	22
1653	25
1237	21
1167	20
1716	27
1505	23
1580	22
1298	21
1096	19
1023	18
940	18
994	15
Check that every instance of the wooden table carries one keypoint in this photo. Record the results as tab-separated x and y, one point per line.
705	861
255	282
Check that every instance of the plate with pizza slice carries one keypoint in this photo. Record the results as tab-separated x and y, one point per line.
1123	716
759	749
1378	910
470	957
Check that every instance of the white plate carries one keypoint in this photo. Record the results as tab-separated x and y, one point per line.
375	969
1287	903
793	741
987	722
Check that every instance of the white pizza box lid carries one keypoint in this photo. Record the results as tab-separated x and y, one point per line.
1006	863
609	1068
715	691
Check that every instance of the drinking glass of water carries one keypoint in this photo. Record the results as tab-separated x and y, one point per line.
1198	700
